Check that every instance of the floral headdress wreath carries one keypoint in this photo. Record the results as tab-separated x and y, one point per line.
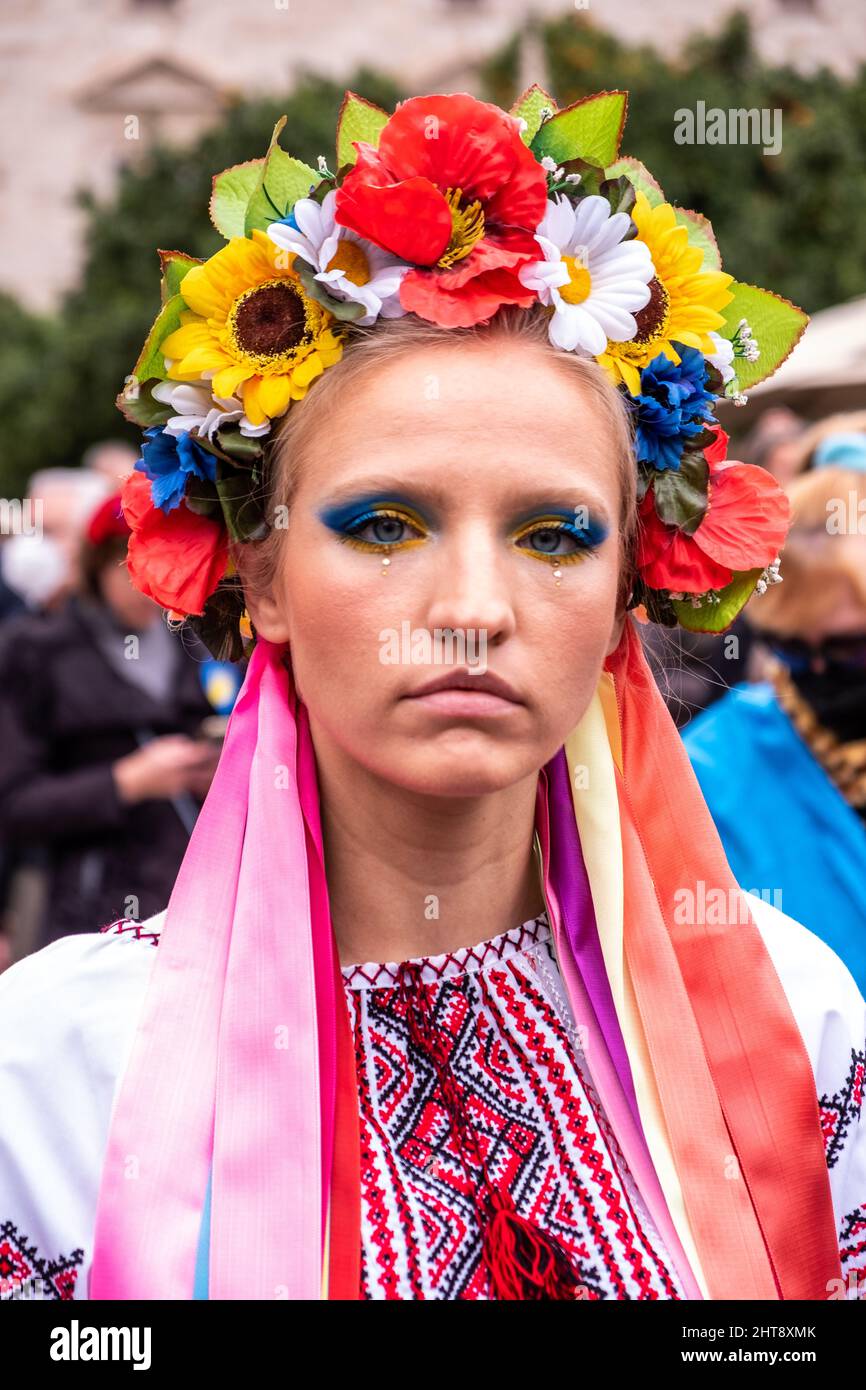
448	209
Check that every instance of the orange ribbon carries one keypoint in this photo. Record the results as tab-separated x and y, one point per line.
734	1077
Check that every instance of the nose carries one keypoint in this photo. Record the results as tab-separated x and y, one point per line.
470	586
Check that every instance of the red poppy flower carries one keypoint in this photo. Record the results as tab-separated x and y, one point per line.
717	452
176	557
453	190
744	528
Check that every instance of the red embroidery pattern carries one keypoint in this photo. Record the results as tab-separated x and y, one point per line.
842	1109
543	1135
126	926
546	1134
20	1262
852	1249
434	968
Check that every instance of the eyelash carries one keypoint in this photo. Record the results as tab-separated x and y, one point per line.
352	537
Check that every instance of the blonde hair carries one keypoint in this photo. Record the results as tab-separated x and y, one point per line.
368	348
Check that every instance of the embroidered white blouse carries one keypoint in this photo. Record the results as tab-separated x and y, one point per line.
67	1020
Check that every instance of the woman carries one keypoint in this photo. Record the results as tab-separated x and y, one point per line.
797	737
102	771
437	1008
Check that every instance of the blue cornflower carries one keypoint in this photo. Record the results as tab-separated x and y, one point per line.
673	405
168	460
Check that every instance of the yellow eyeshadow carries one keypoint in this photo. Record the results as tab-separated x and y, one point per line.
550	524
413	519
379	547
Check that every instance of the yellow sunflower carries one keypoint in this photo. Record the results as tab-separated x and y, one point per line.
251	324
685	299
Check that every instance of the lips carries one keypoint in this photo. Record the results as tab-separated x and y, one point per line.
463	679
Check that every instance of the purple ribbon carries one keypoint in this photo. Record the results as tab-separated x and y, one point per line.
571	885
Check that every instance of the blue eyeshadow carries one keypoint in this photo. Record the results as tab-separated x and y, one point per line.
593	533
343	514
340	516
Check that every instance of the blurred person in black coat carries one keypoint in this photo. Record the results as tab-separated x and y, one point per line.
103	769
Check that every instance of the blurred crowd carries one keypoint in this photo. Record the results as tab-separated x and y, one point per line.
773	712
110	722
109	738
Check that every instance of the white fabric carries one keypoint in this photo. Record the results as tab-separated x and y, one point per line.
67	1019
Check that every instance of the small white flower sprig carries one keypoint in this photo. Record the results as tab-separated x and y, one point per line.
770	576
745	343
558	180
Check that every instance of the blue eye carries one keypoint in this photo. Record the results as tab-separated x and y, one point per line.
549	536
388	527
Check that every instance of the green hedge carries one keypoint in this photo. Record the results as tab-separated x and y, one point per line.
790	222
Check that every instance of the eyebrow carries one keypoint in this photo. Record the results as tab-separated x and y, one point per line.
523	498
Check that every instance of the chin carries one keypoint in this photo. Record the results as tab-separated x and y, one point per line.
461	772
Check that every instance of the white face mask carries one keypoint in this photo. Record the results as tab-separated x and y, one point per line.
36	567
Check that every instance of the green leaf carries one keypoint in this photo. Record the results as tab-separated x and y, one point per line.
327	185
230	196
151	362
681	493
591	176
201	496
700	235
242	511
776	323
282	181
242	448
136	403
286	181
715	617
174	267
621	194
589	129
639	175
358	120
529	107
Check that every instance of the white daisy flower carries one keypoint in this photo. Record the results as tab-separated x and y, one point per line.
349	267
594	280
198	411
723	356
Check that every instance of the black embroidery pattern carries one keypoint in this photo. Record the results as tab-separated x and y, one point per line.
20	1263
842	1109
852	1249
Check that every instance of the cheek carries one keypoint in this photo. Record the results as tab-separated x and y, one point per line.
336	613
586	599
342	607
573	633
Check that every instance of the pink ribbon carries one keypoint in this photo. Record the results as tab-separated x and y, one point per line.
225	1061
233	1063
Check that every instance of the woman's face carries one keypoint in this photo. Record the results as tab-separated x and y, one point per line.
476	472
847	617
129	606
